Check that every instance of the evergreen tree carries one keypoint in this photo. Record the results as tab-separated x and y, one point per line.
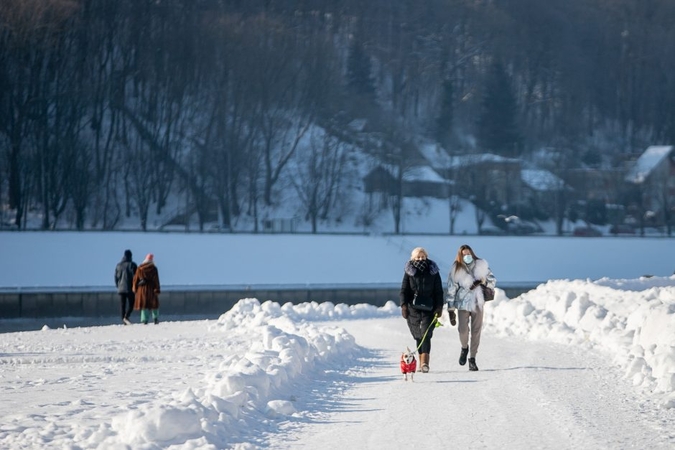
497	126
359	69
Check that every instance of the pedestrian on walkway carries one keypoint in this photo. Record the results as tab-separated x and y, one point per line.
124	276
146	287
421	300
467	274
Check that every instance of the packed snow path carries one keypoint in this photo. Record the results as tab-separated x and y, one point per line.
307	376
525	395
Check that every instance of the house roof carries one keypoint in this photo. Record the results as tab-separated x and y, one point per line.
435	154
358	124
412	174
423	173
459	162
541	180
440	160
647	162
467	160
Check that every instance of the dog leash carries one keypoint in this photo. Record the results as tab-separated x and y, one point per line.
433	322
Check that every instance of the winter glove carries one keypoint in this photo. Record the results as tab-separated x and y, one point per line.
453	318
404	310
439	312
475	284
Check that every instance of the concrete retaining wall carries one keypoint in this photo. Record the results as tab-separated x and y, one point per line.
176	301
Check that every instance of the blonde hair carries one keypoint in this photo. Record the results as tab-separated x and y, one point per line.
418	251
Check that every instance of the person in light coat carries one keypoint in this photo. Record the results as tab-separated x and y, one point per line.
468	272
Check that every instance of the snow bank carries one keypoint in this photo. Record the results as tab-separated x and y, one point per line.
283	348
634	320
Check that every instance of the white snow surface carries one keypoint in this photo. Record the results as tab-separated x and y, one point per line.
72	259
585	361
571	364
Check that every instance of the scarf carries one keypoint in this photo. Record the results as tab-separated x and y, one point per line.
420	265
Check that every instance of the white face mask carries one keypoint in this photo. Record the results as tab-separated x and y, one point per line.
467	259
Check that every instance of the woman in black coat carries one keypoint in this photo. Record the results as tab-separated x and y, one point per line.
421	300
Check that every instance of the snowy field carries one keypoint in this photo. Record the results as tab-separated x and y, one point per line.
586	360
67	259
572	364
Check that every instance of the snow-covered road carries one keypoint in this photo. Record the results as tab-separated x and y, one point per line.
314	376
525	395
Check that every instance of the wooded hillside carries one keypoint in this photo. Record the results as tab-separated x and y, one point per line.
109	106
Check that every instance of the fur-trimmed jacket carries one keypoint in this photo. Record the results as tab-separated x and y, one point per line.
426	283
147	292
460	294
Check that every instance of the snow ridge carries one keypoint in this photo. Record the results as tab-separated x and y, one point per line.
632	320
244	387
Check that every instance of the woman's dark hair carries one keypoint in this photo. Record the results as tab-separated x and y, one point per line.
459	262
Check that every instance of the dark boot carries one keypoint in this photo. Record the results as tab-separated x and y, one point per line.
472	365
463	355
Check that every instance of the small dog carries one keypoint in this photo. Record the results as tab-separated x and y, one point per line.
408	364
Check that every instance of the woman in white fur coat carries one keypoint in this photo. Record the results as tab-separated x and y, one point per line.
468	272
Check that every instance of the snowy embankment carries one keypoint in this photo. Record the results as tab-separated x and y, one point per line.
632	320
205	384
236	381
284	347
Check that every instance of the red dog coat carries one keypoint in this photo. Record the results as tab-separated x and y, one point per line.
408	368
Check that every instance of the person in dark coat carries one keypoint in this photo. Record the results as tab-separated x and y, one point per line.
421	299
124	276
147	289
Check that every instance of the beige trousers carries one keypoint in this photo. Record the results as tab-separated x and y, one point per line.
470	323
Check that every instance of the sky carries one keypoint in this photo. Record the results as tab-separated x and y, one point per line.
585	360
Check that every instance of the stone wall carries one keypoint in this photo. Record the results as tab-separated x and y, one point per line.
177	301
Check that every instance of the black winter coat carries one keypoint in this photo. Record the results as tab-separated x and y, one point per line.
124	275
427	284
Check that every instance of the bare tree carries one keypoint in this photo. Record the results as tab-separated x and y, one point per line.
140	181
282	115
317	176
402	152
29	32
80	182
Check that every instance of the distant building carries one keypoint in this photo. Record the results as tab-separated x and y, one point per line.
494	178
418	181
652	180
594	184
541	187
379	181
656	163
